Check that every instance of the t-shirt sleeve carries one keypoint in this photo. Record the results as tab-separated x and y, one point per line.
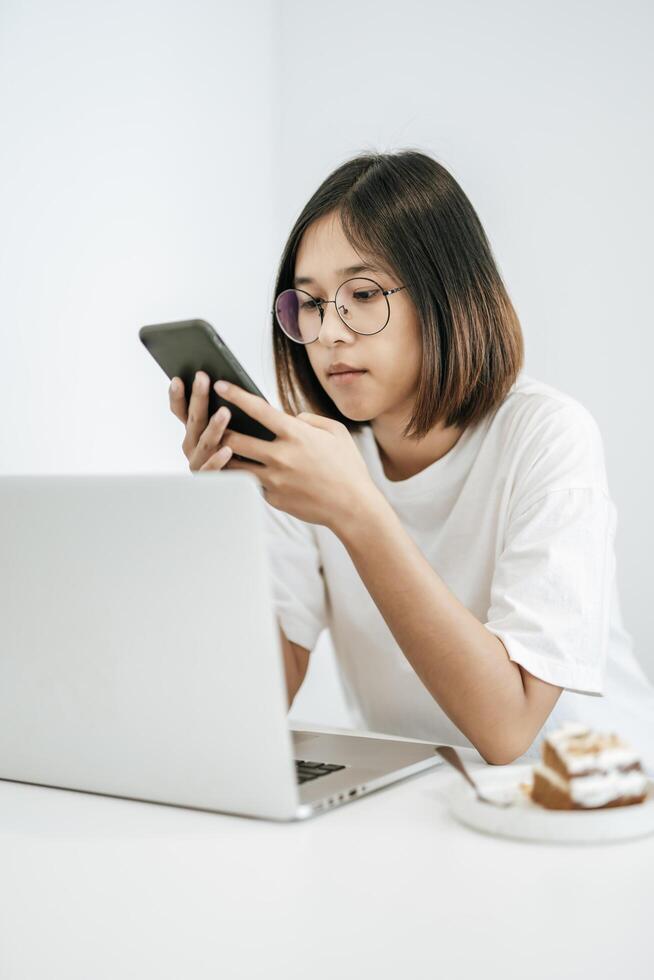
297	579
552	583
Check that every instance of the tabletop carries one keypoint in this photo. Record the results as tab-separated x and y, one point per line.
388	886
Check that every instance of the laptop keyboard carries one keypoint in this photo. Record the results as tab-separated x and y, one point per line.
311	770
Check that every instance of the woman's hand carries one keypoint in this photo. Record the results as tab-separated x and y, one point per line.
312	470
201	440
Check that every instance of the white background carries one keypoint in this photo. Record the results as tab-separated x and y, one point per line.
153	157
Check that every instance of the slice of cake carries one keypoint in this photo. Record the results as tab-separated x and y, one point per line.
582	769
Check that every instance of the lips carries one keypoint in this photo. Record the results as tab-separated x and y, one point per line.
340	379
344	369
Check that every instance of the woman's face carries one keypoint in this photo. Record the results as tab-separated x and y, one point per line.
389	360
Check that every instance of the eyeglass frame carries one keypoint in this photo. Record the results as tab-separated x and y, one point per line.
320	302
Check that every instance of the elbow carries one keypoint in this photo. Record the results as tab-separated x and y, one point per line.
499	758
502	752
504	742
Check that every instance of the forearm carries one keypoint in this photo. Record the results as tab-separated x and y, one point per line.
465	667
292	667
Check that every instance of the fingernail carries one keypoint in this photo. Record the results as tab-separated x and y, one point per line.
226	452
173	387
224	413
221	387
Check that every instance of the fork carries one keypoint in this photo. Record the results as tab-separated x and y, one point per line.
450	755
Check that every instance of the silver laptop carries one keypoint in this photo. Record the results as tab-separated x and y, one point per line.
140	655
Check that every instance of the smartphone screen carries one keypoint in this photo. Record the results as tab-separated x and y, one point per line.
186	346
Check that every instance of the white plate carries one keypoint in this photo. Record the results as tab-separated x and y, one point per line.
526	820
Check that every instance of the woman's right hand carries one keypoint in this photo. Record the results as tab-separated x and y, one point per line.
201	444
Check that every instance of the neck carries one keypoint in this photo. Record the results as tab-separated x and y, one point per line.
403	456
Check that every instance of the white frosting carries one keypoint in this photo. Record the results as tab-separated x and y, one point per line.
589	753
605	761
569	729
598	788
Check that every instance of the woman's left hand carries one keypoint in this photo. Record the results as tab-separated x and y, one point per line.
312	470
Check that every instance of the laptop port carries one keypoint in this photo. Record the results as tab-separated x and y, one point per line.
352	792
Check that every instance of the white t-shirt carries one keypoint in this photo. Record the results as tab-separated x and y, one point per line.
518	522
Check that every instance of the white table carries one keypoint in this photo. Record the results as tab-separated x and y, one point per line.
390	886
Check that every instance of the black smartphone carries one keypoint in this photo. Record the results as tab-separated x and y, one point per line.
187	346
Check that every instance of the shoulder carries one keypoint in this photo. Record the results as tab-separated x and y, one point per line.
548	439
538	419
533	408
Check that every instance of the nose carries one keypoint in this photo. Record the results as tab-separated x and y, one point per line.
332	327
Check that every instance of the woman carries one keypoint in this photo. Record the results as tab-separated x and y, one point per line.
445	516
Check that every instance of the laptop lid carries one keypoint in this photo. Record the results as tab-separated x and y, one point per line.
139	651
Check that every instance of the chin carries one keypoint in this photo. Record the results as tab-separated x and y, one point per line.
358	406
355	412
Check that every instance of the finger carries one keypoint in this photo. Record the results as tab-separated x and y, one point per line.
197	411
210	439
218	460
255	468
261	450
245	464
177	399
255	406
318	421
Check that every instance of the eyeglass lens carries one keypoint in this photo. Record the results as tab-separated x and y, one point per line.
360	303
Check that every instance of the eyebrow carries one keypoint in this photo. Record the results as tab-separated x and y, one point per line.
350	270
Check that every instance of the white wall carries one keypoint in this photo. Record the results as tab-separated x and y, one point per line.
543	113
136	185
154	153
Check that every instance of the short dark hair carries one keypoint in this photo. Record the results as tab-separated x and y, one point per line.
407	211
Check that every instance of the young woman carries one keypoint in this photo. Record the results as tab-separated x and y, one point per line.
445	516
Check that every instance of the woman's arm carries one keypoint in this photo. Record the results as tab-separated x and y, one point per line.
296	662
498	705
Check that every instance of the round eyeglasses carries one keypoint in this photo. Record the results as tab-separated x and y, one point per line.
361	304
